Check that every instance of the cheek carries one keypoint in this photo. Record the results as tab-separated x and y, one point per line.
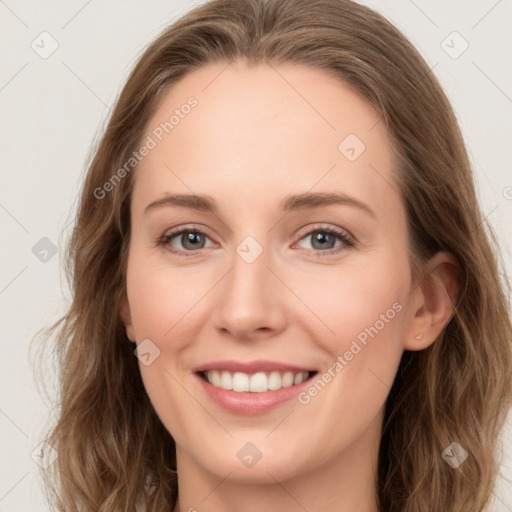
366	312
162	303
162	299
360	303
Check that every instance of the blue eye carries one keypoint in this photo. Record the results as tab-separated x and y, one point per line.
324	238
192	240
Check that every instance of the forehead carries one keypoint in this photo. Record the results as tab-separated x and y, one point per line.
265	131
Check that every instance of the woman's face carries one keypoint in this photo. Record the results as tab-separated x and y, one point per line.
293	265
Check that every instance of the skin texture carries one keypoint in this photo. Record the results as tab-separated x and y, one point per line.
259	134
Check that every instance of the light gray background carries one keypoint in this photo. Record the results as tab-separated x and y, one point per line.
51	110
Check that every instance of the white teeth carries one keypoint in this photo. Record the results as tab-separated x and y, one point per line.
274	381
287	380
215	378
258	383
300	377
240	382
226	381
255	383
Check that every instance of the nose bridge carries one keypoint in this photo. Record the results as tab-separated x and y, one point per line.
250	298
248	281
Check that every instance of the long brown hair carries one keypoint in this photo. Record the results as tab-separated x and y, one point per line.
114	454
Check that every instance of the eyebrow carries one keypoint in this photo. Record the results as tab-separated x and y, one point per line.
304	201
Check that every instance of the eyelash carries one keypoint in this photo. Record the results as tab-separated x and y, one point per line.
346	238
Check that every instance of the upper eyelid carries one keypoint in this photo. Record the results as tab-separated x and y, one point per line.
174	232
319	227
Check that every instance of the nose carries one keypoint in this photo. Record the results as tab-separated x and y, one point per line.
251	300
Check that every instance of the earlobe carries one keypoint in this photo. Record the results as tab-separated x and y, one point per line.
433	302
124	311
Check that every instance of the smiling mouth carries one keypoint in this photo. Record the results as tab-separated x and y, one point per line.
259	382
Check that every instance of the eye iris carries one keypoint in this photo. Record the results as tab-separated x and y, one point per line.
324	239
191	238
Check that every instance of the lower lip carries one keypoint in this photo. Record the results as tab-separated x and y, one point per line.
251	404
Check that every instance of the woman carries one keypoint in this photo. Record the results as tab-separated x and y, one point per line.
284	295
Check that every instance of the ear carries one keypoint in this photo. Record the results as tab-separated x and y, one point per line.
432	302
126	316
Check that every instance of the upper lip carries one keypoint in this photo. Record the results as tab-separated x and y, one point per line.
250	366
